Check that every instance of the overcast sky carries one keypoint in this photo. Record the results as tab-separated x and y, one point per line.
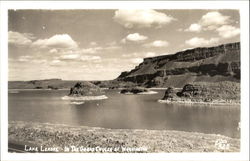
100	44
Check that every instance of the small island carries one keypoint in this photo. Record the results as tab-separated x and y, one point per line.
85	91
137	90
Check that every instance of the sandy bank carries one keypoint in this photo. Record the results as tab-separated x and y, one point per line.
118	140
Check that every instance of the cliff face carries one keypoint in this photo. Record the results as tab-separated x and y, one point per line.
213	64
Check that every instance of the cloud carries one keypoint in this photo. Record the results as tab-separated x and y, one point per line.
25	58
136	60
228	31
90	57
198	41
217	22
93	43
56	62
91	50
180	29
69	57
212	20
110	48
129	55
135	37
141	55
141	18
53	51
165	54
194	28
150	54
56	41
21	39
157	43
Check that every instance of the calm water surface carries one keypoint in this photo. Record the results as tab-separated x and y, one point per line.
122	111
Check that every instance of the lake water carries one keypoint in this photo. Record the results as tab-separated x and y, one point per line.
122	111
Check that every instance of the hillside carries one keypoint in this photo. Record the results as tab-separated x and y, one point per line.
41	84
213	64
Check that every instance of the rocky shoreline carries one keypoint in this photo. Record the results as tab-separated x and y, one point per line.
93	139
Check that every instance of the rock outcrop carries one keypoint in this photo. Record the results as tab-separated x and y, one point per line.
222	92
85	89
191	90
213	64
170	94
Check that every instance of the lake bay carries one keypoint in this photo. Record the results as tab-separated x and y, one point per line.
121	111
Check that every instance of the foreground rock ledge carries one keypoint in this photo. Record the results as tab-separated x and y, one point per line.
50	135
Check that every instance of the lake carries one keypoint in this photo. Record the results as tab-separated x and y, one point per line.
122	111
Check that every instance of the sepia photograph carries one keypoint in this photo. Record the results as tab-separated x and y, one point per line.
124	80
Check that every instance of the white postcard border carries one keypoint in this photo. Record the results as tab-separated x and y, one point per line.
244	20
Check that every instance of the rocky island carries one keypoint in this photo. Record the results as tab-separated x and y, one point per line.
85	91
205	93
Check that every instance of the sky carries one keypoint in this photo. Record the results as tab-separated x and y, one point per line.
100	44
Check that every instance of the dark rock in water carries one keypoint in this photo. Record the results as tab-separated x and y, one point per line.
134	90
53	87
85	89
191	90
169	94
38	87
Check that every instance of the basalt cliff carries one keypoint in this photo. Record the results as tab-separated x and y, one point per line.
207	64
